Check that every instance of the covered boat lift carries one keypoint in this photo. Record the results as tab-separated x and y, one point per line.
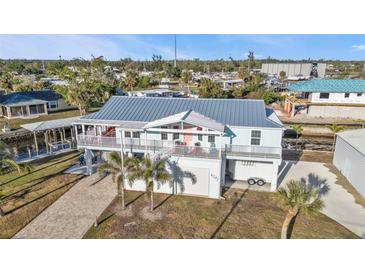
55	138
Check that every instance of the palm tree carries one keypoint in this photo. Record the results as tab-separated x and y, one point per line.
298	197
115	166
131	79
150	171
335	129
7	161
298	130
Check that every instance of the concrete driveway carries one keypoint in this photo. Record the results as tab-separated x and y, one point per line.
339	204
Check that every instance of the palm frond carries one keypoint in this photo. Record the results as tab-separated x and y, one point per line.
298	195
11	164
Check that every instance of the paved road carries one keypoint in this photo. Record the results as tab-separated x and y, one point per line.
339	204
73	213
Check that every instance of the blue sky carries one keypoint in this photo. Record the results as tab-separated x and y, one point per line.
115	47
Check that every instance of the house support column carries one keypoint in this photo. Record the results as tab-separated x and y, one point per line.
88	159
35	142
46	141
274	180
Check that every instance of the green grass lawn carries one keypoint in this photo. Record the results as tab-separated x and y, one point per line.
241	215
27	195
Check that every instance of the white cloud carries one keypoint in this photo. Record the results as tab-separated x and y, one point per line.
359	47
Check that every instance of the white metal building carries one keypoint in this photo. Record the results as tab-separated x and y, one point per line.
349	157
294	69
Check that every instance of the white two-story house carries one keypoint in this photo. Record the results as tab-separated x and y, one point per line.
205	140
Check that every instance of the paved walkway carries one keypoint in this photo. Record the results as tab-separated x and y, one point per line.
73	213
339	204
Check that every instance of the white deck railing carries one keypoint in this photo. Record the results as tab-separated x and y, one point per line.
169	147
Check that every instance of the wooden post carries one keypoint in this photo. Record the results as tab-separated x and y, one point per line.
46	141
35	142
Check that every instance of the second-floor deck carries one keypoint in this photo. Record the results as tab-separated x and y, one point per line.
170	148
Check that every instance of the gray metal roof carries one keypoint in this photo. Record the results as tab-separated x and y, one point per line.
51	124
234	112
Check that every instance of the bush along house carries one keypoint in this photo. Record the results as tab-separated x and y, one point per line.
207	141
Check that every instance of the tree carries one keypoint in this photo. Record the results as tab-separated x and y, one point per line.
7	162
335	129
298	130
150	171
156	62
186	77
282	75
131	79
75	95
254	83
237	92
6	82
115	167
173	72
250	60
298	197
210	89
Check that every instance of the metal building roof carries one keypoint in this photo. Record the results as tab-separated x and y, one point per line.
356	138
234	112
335	86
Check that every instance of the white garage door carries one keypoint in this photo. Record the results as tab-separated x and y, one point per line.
201	187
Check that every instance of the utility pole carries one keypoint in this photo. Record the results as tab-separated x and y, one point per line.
175	53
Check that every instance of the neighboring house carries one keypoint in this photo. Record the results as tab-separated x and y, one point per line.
210	138
230	84
331	98
156	93
349	157
31	103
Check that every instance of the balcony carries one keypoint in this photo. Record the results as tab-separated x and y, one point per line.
253	151
170	148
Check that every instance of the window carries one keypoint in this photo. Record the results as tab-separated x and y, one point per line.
255	137
211	138
163	134
52	104
5	111
176	136
127	134
136	135
16	111
324	95
359	94
347	95
200	137
36	109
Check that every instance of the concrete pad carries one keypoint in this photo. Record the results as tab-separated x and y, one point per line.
339	204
